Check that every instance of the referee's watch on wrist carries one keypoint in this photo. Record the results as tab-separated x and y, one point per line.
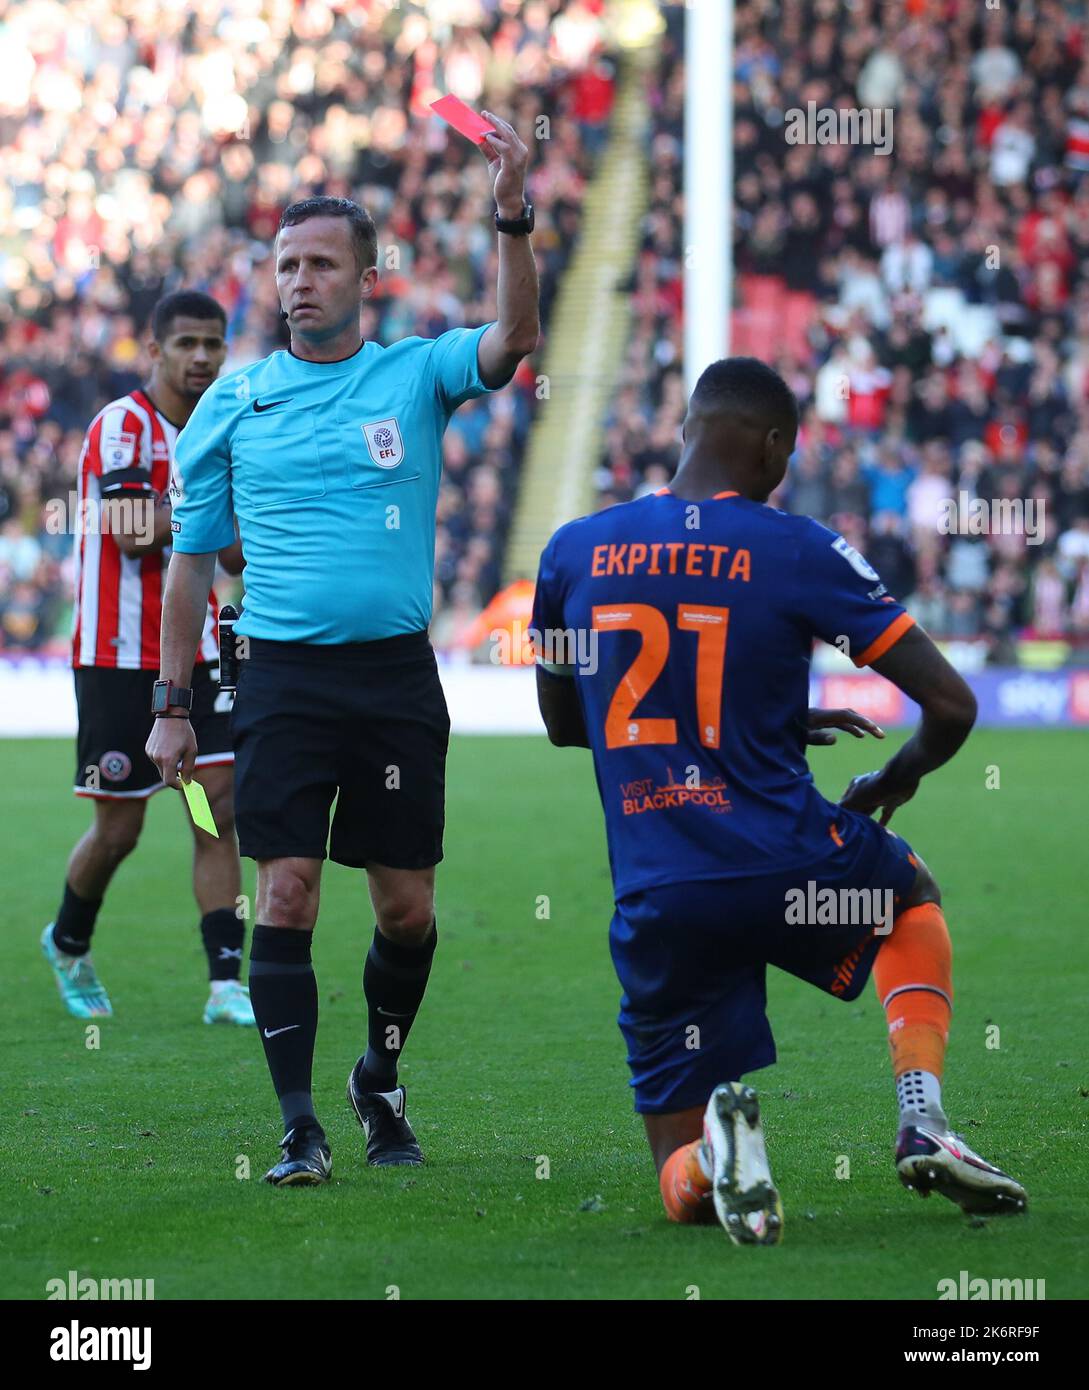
169	700
516	226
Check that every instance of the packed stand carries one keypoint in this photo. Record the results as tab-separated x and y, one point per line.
940	295
151	145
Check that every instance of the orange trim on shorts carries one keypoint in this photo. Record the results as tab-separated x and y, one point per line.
888	638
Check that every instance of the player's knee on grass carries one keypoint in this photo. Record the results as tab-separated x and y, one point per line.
924	890
117	828
685	1191
667	1133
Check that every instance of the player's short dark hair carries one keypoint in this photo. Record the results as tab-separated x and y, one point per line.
188	304
747	389
361	223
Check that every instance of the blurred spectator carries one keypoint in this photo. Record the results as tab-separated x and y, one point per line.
890	554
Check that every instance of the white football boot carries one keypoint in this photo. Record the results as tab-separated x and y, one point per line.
745	1197
931	1162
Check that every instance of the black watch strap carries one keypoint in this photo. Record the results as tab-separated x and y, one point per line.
166	696
516	226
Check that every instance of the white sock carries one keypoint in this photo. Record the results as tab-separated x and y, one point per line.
919	1094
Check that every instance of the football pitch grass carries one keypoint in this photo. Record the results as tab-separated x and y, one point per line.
123	1161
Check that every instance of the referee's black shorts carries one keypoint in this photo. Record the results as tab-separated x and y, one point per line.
365	722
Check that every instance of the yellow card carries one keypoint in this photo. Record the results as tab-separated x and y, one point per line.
197	800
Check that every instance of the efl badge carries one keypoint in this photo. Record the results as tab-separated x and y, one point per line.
854	559
118	450
384	442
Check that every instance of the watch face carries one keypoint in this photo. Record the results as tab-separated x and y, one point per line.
158	696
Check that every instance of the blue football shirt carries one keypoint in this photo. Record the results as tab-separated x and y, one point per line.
692	625
332	469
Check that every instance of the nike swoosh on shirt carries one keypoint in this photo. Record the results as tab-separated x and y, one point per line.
271	1032
259	408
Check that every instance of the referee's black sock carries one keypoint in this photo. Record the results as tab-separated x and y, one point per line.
394	980
284	995
75	923
222	933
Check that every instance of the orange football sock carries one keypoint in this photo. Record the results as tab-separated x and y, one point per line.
685	1187
913	973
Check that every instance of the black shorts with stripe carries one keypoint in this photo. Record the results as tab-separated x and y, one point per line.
362	722
115	722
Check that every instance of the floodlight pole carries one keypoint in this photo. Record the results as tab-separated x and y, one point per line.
708	183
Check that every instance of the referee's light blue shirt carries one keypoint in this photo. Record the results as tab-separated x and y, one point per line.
332	469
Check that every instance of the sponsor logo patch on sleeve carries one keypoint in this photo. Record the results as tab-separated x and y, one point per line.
118	450
854	559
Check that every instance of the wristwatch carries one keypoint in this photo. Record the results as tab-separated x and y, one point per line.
166	697
516	226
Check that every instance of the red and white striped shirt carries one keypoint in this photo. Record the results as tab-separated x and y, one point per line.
128	452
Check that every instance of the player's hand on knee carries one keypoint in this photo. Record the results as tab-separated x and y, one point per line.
823	721
872	791
172	747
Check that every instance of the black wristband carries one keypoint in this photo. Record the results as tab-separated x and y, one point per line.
516	226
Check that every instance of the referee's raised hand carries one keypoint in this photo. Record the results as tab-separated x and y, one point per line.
507	158
172	746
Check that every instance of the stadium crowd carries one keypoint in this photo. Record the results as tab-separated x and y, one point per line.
151	145
938	296
930	306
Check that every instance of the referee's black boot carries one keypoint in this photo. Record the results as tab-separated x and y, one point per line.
306	1159
389	1135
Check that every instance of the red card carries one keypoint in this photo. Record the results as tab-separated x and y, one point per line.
463	118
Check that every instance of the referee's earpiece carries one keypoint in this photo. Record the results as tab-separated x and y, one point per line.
284	314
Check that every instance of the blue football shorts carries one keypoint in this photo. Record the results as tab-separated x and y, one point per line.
692	960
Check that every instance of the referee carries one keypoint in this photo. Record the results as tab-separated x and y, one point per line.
329	454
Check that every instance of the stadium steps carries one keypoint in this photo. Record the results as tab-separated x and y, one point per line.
590	324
